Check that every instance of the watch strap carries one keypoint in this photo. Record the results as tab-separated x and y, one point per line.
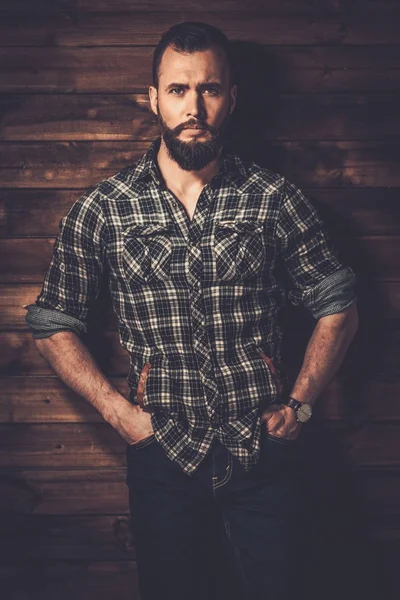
293	403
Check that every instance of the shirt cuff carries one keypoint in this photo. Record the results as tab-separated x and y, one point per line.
45	322
333	294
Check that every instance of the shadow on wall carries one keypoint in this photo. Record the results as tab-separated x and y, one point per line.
341	561
260	78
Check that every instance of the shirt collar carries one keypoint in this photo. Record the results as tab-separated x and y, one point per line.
231	165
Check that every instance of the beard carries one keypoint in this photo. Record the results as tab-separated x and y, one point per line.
193	155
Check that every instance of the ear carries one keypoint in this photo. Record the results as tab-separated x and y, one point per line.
233	94
153	99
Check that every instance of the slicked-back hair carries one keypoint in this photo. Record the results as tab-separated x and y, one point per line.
192	36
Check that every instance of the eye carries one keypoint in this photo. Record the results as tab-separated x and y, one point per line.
172	90
213	91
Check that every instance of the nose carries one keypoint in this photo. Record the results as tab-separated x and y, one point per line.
195	107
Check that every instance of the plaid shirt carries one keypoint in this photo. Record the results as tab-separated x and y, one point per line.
197	300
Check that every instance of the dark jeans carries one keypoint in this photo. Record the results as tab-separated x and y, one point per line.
221	534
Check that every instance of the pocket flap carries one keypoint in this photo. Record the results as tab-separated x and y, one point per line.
147	229
241	226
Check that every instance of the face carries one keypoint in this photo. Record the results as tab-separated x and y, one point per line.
193	104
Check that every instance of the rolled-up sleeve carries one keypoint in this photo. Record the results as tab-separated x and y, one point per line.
72	281
318	279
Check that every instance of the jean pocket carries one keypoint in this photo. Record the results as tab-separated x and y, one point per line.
279	439
278	454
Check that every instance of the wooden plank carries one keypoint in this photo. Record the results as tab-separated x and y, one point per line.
83	580
76	7
361	211
72	445
357	212
104	491
40	117
308	164
34	212
77	117
74	492
109	537
80	580
372	257
47	400
128	70
97	445
14	297
144	28
66	537
19	355
14	300
42	250
64	164
372	444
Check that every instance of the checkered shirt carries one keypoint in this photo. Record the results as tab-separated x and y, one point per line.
197	300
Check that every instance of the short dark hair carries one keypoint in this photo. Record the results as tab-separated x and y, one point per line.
192	36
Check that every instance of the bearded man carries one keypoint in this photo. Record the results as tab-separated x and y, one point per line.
202	251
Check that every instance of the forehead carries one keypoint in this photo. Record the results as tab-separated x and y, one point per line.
203	65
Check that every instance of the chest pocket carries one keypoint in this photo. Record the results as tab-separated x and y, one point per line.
147	252
239	249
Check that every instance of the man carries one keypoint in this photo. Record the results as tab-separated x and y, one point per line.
196	243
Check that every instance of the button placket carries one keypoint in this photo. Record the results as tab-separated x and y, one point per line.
192	230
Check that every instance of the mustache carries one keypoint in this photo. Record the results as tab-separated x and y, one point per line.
188	124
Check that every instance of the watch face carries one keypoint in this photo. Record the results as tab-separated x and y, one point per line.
304	412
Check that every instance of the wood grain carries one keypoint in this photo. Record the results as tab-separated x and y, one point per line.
14	297
142	28
285	6
372	257
93	445
74	76
74	492
48	579
30	399
308	164
98	445
107	537
19	355
48	400
297	69
352	211
104	491
99	537
92	117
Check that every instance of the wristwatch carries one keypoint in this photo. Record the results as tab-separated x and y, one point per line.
302	409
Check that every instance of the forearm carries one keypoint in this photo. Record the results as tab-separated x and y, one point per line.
324	353
76	367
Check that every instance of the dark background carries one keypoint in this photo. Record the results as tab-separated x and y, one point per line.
319	97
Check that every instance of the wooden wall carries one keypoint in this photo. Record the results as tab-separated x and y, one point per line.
324	100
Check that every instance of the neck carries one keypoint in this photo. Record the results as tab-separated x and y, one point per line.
179	179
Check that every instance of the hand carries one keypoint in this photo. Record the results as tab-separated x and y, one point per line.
280	421
132	423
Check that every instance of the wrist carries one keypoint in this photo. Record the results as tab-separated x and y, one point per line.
303	410
115	407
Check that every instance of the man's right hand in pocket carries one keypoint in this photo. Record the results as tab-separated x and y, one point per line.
132	423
